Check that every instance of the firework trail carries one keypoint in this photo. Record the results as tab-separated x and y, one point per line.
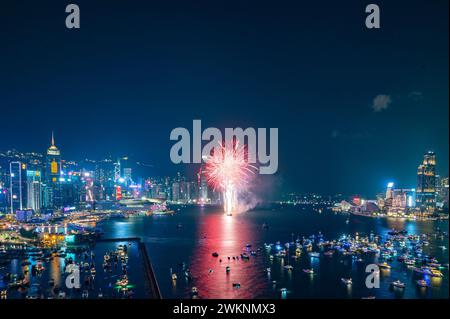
228	171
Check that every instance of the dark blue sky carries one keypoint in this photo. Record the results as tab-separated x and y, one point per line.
137	69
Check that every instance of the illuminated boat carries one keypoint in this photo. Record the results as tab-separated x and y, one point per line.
436	273
384	265
422	283
123	282
398	284
347	281
85	294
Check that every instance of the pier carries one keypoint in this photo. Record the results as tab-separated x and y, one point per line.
152	283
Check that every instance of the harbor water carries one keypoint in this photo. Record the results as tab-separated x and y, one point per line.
183	244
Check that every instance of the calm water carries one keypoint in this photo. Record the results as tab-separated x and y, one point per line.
207	230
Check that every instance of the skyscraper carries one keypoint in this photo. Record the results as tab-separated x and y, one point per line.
426	182
202	185
34	193
18	191
52	175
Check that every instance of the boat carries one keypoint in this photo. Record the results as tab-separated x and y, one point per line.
308	271
347	281
429	271
288	267
409	262
398	284
422	283
174	277
215	254
436	273
85	294
122	282
236	285
245	256
384	265
314	254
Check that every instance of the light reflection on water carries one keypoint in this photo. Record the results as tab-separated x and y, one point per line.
207	230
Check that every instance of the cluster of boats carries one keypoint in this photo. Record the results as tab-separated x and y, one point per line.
397	246
33	281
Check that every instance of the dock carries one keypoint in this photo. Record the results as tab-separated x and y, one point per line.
152	283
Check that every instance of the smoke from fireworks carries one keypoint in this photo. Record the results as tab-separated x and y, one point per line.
228	171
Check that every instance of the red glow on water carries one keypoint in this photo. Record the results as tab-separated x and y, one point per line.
227	236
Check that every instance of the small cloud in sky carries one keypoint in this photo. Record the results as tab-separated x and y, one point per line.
381	102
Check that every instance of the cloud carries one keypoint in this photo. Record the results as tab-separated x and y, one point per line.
381	102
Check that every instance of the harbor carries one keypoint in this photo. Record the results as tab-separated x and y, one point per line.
111	268
280	252
288	252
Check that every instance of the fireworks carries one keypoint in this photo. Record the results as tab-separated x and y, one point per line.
228	171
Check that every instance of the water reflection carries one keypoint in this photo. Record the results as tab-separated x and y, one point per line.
207	230
228	236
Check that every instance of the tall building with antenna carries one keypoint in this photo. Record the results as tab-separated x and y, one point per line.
52	176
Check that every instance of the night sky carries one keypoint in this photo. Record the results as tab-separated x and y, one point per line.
355	107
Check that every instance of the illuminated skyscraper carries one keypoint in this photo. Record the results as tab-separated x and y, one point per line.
34	192
389	191
127	175
17	191
202	186
176	192
52	175
426	182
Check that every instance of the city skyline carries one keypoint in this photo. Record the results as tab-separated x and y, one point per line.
148	171
192	174
122	89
